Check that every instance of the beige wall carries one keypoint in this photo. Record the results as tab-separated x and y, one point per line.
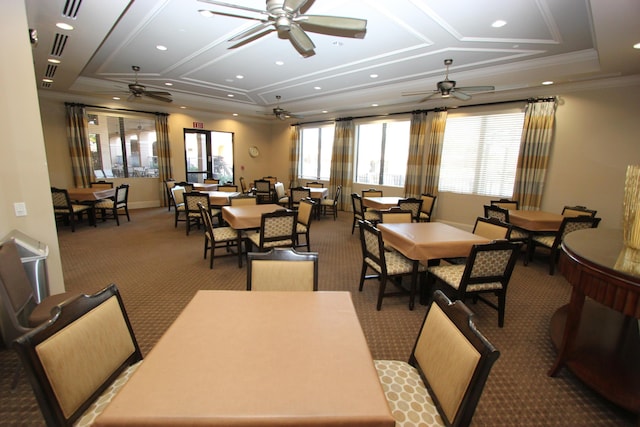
23	164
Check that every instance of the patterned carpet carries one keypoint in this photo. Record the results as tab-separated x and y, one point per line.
158	269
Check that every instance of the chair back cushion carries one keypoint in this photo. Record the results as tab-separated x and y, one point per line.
282	269
427	202
493	230
394	216
412	204
447	359
305	209
279	187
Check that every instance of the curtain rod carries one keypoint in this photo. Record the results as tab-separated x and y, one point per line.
115	109
551	98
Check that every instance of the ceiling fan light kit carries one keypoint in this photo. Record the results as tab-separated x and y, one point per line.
285	17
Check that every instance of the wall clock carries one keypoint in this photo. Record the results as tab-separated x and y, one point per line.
253	151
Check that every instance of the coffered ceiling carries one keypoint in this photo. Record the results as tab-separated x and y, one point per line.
569	42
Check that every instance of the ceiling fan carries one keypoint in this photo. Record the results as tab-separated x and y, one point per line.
286	17
138	91
283	114
447	88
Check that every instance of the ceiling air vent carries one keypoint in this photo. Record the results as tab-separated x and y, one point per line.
50	72
71	8
46	85
59	42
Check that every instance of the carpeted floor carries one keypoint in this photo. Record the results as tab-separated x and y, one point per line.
158	269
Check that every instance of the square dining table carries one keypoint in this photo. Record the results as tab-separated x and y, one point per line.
429	242
381	202
221	198
535	221
246	217
238	358
90	194
199	186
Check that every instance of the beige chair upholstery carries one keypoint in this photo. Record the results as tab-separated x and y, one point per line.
314	184
281	196
447	370
359	214
487	271
552	242
506	204
277	229
191	201
282	269
502	214
264	190
297	194
211	181
87	347
572	211
68	212
113	209
386	265
372	192
395	215
330	206
168	185
101	184
243	200
177	193
412	204
217	237
228	188
428	205
303	226
491	228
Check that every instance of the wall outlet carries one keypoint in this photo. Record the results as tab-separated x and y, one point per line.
20	208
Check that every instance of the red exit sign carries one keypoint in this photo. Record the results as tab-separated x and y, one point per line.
198	125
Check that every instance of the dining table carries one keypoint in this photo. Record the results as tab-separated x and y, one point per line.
199	186
221	198
246	217
91	194
239	358
535	221
380	203
428	242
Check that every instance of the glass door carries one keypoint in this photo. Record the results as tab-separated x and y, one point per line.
208	154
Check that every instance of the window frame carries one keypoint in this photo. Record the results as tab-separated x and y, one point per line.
330	129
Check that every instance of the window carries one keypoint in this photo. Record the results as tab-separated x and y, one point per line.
480	154
123	145
208	154
381	153
315	153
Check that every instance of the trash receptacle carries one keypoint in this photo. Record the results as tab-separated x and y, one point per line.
33	255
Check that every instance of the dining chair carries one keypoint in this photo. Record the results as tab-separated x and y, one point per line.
282	269
177	194
68	212
263	191
428	204
303	225
487	271
490	228
412	204
277	229
578	211
228	188
297	194
101	184
359	214
211	181
314	184
386	265
168	185
395	215
372	192
506	204
243	186
330	206
447	370
78	360
502	214
114	208
552	242
188	187
243	200
281	196
191	202
219	237
271	179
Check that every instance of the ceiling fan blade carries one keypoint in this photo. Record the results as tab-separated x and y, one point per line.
420	92
335	22
157	97
426	98
301	40
251	31
293	5
252	38
477	88
155	92
460	95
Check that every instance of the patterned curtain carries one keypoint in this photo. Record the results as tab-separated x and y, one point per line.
533	158
77	134
294	156
164	153
434	152
415	164
342	159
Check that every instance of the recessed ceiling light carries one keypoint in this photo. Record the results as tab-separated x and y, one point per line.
168	84
235	114
230	95
47	80
374	105
183	107
161	47
324	111
116	98
548	82
317	87
636	46
64	26
206	13
499	23
279	63
239	76
53	61
373	76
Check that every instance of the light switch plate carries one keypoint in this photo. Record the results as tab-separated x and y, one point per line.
20	208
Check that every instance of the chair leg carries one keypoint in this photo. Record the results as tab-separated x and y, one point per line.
383	285
502	300
362	276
